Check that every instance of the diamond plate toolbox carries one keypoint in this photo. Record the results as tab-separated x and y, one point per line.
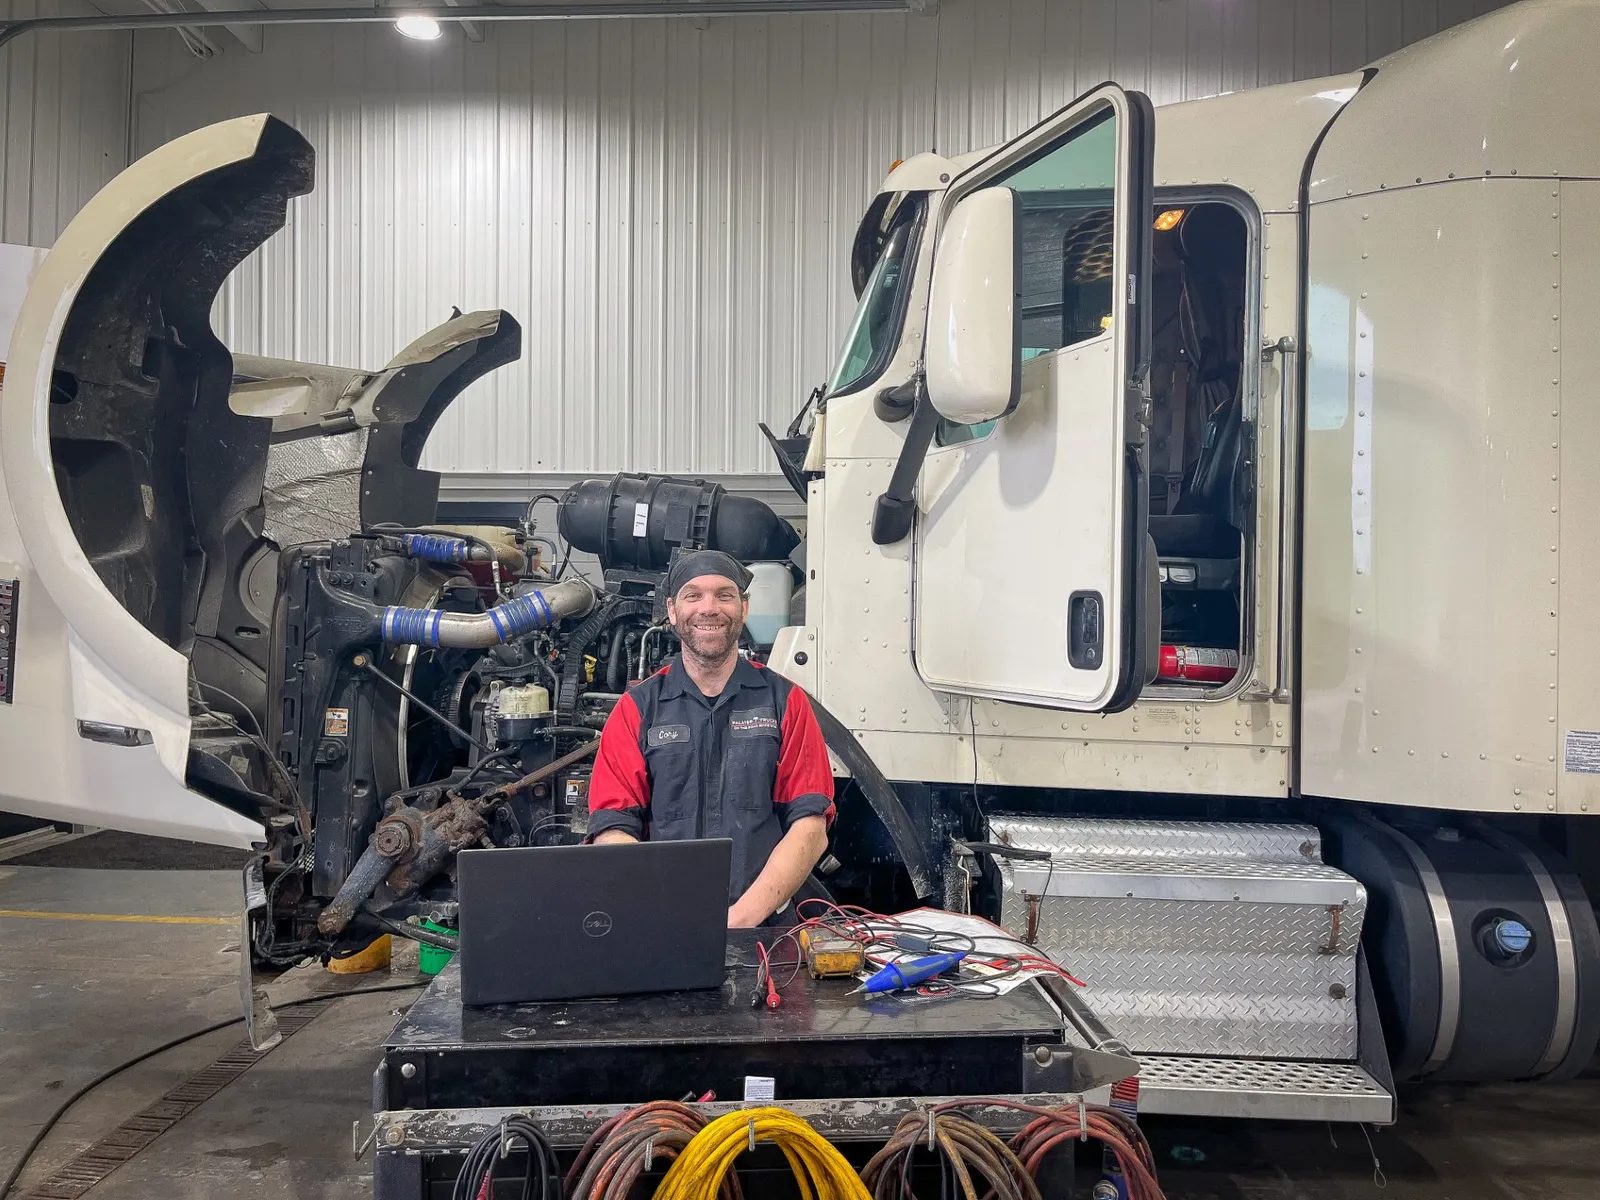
1206	938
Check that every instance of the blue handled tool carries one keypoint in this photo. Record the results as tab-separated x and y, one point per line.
899	976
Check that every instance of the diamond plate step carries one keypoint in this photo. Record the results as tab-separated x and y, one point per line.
1287	843
1109	877
1176	1085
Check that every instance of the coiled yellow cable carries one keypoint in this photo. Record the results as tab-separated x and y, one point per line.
820	1170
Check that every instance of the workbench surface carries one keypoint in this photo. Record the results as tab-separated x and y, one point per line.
812	1011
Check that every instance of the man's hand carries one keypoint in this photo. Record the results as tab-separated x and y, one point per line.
610	836
791	861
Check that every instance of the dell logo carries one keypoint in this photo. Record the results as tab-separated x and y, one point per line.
597	924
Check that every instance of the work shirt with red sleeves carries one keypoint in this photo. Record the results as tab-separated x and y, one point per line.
746	764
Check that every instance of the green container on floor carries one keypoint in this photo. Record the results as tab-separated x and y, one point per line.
431	959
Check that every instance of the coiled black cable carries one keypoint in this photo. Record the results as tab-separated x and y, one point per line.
542	1180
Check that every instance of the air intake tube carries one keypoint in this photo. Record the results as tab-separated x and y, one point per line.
503	623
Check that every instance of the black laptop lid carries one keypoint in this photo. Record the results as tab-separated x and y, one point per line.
562	922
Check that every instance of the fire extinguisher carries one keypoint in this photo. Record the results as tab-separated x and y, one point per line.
1198	664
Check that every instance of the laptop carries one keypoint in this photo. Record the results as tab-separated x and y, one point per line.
565	922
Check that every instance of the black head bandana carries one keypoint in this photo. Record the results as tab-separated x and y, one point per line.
706	562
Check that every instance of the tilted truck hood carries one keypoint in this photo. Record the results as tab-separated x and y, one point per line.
119	464
135	518
122	456
390	411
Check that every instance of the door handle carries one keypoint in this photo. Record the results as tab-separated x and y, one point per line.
1284	348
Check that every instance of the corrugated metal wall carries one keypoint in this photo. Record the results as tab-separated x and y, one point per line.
667	208
63	121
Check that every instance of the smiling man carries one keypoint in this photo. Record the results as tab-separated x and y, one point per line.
715	746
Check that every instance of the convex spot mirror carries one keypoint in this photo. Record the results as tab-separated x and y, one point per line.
973	355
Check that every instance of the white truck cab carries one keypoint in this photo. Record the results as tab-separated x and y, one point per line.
1199	548
1301	236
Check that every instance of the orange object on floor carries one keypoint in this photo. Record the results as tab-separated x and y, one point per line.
374	958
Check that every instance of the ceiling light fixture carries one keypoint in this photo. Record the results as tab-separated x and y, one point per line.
419	27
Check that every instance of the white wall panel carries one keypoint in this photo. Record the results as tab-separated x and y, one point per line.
666	208
63	121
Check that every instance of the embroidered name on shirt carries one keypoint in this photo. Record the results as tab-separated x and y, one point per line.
753	722
667	735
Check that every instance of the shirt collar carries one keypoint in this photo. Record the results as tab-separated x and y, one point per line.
677	683
747	675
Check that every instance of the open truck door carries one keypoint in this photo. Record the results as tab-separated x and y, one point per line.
1032	502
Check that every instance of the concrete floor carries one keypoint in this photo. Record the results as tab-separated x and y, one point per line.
77	996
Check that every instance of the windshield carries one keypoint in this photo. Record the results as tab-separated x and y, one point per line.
880	312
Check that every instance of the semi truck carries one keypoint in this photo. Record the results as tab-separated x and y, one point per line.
1196	576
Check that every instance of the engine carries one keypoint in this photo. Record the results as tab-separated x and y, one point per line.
438	689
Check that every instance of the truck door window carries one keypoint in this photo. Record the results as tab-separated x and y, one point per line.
1065	249
881	308
1066	239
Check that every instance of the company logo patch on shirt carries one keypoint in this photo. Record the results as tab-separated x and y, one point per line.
667	735
753	722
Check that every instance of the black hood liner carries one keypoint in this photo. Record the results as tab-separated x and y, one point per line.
393	487
151	463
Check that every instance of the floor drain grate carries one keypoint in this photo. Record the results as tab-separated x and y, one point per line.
75	1177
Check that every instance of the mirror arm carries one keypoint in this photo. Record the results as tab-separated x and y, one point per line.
891	517
896	403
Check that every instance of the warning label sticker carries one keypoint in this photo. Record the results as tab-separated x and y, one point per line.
1582	751
336	722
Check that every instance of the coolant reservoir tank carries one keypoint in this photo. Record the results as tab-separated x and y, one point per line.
770	588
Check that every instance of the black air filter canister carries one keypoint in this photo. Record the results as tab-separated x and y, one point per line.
637	521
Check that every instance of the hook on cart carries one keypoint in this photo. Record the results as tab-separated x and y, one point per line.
358	1147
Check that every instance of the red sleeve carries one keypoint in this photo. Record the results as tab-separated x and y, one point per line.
804	787
619	789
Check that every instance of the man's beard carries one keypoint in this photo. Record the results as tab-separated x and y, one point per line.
709	646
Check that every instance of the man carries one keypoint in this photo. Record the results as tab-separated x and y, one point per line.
715	746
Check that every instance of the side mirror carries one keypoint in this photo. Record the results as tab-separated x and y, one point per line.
972	356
